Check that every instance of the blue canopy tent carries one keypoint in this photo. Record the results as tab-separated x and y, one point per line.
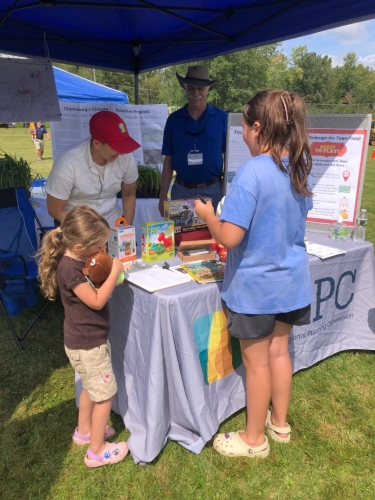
136	35
73	88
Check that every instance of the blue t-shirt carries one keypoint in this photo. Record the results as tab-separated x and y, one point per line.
183	134
268	272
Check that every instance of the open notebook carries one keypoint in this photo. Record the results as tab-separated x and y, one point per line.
156	278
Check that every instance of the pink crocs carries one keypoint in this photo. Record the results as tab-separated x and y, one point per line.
78	438
112	454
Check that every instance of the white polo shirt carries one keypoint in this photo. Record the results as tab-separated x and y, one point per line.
76	178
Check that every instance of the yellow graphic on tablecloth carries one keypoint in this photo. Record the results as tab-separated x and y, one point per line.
219	352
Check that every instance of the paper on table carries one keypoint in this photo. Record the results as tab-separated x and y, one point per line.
322	251
157	278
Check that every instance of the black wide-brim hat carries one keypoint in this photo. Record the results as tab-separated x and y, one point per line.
197	76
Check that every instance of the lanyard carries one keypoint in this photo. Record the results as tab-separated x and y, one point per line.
195	134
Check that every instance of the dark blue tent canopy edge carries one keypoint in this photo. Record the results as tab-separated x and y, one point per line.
135	36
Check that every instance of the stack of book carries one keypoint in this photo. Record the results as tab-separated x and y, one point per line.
205	271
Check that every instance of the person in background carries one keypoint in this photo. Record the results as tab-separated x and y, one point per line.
266	287
37	136
194	143
95	170
83	233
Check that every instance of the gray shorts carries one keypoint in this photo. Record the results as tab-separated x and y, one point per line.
95	369
258	326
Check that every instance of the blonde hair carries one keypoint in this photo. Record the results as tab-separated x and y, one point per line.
81	226
282	118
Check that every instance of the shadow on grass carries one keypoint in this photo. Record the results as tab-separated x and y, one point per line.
34	449
21	372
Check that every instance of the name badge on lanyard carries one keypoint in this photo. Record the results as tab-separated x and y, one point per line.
195	157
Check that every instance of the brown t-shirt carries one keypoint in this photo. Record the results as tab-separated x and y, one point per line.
84	328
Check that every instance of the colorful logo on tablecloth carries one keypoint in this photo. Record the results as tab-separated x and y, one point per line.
219	352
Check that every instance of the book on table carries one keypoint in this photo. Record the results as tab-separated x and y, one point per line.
205	271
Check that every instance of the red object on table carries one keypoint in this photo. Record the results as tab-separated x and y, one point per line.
200	234
223	254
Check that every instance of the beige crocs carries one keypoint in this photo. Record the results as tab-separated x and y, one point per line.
230	444
272	430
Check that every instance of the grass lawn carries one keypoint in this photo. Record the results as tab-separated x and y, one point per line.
16	142
331	455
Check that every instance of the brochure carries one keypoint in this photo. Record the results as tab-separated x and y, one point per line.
205	271
322	251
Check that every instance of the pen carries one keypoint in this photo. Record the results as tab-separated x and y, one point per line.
202	199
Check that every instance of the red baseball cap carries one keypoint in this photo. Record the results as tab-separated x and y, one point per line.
108	127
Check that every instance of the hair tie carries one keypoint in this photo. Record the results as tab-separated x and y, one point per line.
59	233
286	110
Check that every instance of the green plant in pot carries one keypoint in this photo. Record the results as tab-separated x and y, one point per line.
148	182
15	172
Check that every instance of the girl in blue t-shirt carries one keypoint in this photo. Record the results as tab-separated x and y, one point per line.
266	288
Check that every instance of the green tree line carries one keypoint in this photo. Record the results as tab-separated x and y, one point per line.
349	88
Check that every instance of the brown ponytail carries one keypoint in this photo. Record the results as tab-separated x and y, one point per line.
282	118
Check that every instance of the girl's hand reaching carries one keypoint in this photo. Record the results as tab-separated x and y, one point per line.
203	210
227	234
117	266
97	298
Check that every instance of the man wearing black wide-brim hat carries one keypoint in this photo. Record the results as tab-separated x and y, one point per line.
194	143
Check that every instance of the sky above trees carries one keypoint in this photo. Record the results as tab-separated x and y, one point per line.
337	42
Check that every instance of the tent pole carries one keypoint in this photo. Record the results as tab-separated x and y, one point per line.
136	51
136	81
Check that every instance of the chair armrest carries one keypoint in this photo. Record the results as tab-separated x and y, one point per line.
5	262
5	255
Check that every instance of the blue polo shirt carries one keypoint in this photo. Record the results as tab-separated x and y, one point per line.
207	136
40	131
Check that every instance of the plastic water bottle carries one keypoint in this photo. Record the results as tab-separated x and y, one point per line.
359	233
339	231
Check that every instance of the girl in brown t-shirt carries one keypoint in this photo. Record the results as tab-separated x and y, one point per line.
83	233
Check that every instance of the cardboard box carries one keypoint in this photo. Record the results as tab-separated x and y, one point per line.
157	240
186	246
121	242
182	212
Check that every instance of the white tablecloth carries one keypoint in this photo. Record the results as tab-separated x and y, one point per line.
146	209
179	373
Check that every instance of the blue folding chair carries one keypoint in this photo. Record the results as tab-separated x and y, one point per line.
18	265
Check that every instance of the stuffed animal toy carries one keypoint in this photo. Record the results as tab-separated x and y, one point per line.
98	267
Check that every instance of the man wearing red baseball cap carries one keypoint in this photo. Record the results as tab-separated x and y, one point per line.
93	171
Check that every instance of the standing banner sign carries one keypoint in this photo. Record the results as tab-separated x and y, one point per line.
338	145
145	124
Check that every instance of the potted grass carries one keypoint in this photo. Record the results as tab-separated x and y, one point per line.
148	182
15	172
